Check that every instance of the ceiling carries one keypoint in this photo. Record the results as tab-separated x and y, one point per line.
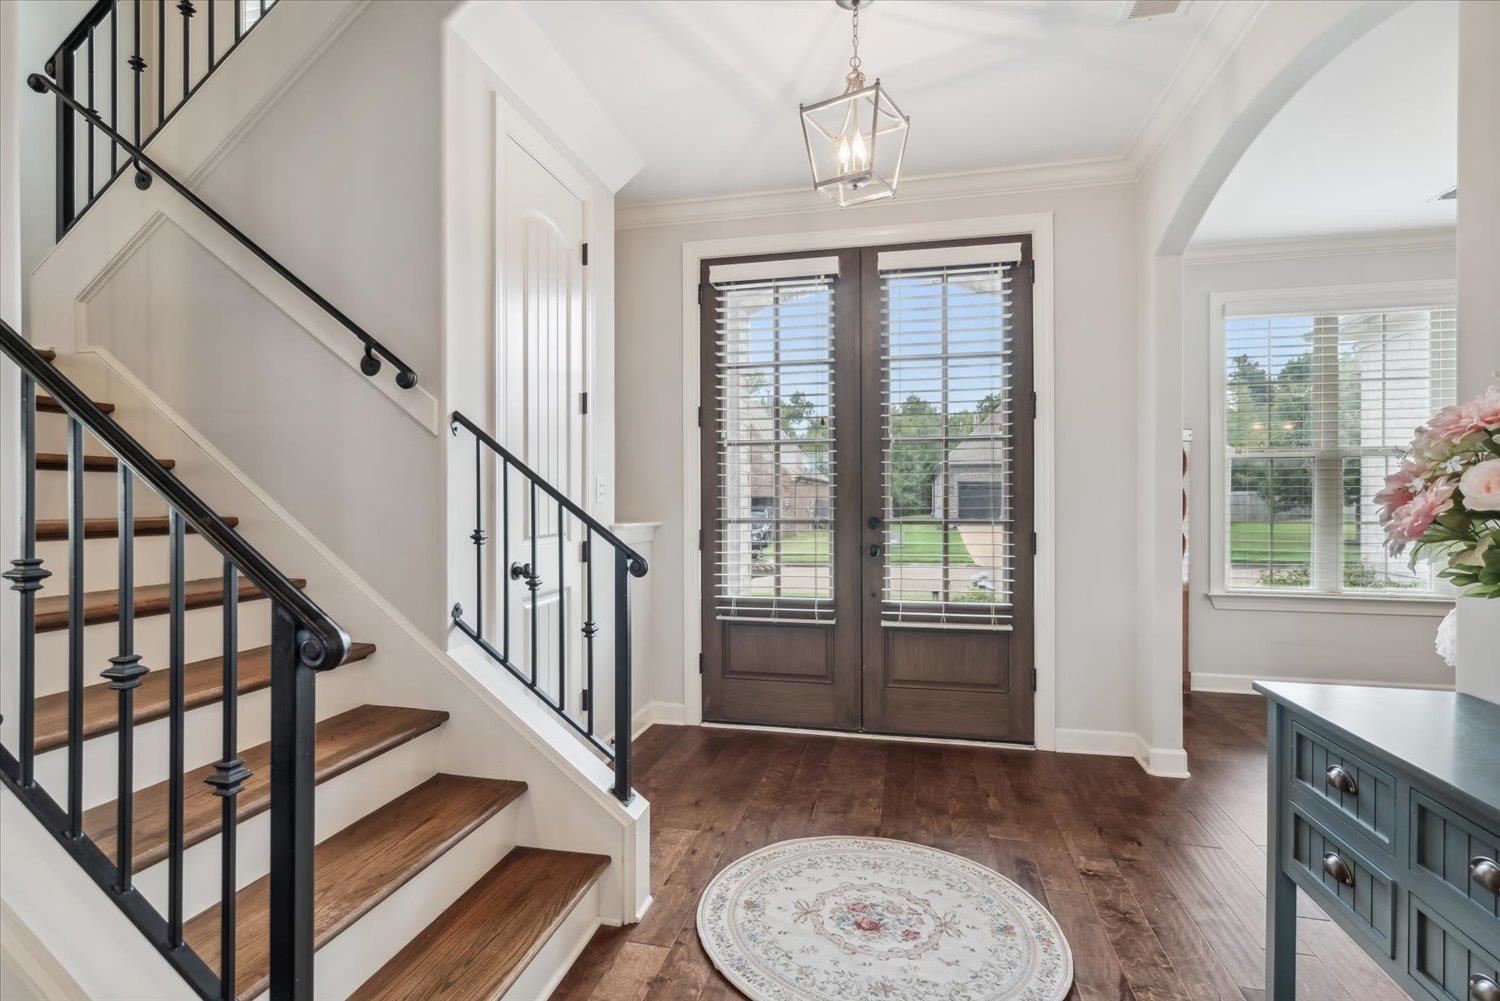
707	90
1365	146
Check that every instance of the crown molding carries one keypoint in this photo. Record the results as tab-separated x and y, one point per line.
1214	44
1390	241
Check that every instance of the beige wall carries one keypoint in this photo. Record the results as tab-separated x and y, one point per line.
1095	313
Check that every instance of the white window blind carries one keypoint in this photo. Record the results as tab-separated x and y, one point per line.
946	410
1318	409
774	376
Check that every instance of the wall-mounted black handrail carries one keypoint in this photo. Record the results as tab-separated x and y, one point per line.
406	377
325	643
627	563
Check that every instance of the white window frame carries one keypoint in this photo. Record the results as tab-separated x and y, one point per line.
1313	300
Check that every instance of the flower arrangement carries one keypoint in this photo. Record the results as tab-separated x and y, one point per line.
1444	501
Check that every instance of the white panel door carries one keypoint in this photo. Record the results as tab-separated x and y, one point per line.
542	381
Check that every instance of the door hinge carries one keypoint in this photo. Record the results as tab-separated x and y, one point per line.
1033	404
700	663
700	415
1033	679
588	700
700	540
585	255
700	293
583	403
1031	269
1033	543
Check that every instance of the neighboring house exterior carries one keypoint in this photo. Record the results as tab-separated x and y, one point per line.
971	486
786	485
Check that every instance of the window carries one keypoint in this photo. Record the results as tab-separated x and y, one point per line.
1321	392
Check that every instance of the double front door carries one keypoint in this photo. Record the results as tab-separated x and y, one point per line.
867	489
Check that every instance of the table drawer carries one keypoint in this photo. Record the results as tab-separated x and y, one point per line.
1446	962
1345	882
1360	792
1460	854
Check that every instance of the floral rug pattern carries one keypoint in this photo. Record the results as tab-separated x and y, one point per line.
848	919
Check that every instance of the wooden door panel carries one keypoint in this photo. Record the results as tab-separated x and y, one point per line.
936	658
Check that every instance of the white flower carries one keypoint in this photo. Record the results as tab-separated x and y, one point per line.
1447	638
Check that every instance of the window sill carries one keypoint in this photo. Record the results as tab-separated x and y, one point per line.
1329	603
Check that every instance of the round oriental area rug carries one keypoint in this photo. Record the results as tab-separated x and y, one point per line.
831	919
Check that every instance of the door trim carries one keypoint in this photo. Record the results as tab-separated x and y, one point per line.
1039	227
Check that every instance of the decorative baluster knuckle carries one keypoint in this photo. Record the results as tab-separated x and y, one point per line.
27	576
478	537
187	8
590	629
137	64
229	777
124	672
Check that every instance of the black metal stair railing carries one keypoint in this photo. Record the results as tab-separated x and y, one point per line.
546	511
79	120
304	640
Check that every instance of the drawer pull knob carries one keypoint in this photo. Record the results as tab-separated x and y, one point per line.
1340	779
1341	871
1482	988
1485	874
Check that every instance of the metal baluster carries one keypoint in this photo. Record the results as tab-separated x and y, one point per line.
533	583
26	576
562	616
138	66
589	628
239	19
161	63
505	554
292	723
89	46
177	707
227	780
211	5
124	676
75	627
114	88
622	677
478	537
187	10
61	68
262	10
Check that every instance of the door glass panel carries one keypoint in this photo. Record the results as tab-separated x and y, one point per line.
775	434
946	425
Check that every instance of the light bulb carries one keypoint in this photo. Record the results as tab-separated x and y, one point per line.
853	154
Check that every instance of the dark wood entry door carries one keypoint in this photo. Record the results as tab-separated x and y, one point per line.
866	454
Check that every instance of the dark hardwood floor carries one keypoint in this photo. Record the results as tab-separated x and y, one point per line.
1158	883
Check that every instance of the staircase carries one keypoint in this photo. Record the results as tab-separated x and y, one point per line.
476	948
162	717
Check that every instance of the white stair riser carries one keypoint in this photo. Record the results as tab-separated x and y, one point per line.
203	637
203	740
341	801
101	562
100	496
342	965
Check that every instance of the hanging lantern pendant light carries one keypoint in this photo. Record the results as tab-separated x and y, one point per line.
855	141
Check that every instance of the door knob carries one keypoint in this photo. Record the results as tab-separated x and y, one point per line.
874	552
873	522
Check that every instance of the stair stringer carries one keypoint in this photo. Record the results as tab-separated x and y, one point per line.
495	728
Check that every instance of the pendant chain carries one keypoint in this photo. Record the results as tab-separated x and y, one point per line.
854	60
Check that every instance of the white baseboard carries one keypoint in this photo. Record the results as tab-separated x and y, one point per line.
669	713
1117	743
34	969
1164	762
1243	684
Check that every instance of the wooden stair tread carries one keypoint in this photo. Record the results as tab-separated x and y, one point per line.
56	529
477	948
91	463
357	868
47	405
342	742
203	681
150	599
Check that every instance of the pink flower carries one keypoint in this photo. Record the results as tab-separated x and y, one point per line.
1481	486
911	934
1412	520
1400	487
867	924
859	907
1479	414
